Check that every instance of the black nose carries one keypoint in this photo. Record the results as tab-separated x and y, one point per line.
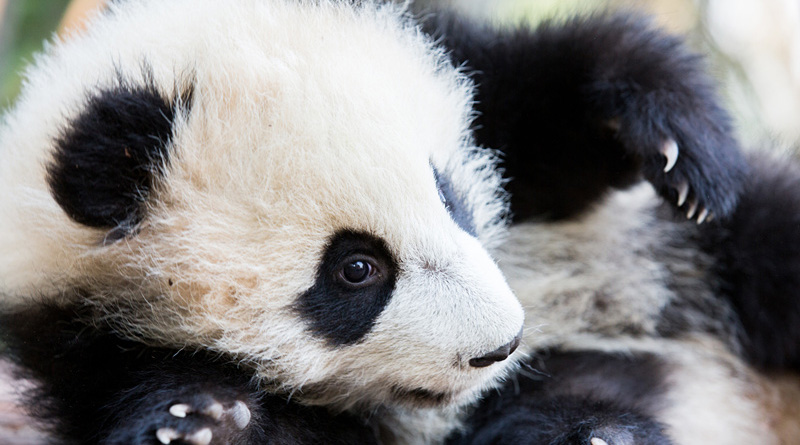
498	355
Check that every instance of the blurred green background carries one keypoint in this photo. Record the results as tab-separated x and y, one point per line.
25	25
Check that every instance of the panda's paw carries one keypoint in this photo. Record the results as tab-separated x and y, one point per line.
698	169
203	420
692	200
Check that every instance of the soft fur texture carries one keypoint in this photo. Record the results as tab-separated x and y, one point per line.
606	274
269	221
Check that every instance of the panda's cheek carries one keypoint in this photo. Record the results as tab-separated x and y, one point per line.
434	327
445	317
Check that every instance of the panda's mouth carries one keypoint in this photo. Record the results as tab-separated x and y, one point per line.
420	396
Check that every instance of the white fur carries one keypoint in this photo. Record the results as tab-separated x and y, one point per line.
711	395
584	281
307	118
596	273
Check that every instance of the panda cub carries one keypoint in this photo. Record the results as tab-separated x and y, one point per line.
271	222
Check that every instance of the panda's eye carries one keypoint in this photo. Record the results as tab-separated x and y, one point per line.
358	272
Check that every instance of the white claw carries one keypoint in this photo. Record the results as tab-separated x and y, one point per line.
180	410
692	209
240	414
202	437
598	441
214	411
166	435
710	217
670	150
683	192
702	217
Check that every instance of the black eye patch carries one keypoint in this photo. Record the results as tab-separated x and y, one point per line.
454	203
355	281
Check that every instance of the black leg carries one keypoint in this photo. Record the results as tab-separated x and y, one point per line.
575	398
592	103
95	388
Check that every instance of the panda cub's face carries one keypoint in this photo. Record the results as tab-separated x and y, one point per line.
292	184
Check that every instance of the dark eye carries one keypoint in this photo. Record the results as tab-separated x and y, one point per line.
358	272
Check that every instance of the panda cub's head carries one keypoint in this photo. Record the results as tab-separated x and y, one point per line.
291	183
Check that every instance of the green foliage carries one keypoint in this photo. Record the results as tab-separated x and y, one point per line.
24	28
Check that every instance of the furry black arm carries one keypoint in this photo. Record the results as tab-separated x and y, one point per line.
94	388
591	103
576	397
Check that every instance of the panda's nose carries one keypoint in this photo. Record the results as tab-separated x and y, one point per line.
498	355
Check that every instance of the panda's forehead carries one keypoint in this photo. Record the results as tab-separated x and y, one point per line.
292	181
366	185
334	165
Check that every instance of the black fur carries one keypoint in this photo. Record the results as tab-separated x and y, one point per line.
337	312
568	398
550	99
107	158
758	254
95	388
453	201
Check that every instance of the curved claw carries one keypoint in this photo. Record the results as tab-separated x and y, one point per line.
670	151
692	209
214	411
702	216
683	192
598	441
240	414
167	435
180	410
202	437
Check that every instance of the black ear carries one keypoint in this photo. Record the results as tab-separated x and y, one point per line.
107	158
